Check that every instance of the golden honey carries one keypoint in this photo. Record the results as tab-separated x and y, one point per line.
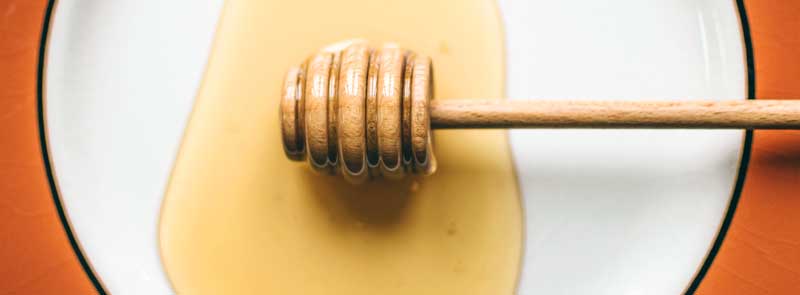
239	218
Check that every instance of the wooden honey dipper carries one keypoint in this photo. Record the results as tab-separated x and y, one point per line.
368	112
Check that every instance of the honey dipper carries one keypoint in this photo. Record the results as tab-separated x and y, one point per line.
367	112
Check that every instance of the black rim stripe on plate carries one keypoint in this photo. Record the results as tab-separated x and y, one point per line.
745	158
46	157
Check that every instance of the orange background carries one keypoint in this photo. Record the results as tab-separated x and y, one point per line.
35	254
761	252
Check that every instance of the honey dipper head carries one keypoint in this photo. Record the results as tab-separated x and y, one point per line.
360	111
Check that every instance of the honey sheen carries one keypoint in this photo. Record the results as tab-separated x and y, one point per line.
240	218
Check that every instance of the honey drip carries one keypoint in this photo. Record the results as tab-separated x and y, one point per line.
239	218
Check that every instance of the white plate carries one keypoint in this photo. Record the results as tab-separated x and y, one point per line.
121	79
607	212
623	212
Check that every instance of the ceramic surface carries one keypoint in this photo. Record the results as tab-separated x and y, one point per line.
611	212
120	84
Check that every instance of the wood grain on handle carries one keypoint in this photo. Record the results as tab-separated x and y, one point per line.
367	112
738	114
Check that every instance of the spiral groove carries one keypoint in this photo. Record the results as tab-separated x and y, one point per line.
361	112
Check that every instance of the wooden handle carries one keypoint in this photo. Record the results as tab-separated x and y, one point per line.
365	112
737	114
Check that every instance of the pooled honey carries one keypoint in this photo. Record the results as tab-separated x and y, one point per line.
240	218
